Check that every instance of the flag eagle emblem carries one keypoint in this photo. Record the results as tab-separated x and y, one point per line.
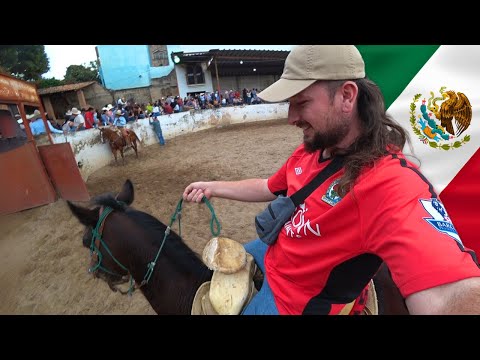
434	124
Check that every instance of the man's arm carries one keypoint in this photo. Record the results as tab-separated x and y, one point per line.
250	190
460	297
52	129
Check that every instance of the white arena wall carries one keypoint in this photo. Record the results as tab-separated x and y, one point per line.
91	154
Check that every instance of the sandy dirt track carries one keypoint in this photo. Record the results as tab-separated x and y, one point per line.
43	263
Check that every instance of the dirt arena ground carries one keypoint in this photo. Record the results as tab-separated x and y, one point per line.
43	265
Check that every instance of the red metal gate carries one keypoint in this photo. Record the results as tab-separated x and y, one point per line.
31	177
24	182
63	171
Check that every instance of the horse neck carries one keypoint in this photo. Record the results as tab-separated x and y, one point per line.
114	138
175	280
171	289
111	135
176	275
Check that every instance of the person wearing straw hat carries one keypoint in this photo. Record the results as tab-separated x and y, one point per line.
120	122
38	127
105	119
377	208
78	122
110	114
66	120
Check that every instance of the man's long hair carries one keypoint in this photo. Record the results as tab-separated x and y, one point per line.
380	133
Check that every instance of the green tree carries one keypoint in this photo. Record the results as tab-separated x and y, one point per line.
8	58
27	62
50	82
80	73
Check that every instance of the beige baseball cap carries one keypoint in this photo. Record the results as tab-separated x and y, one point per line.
308	63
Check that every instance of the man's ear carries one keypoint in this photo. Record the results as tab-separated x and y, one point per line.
349	92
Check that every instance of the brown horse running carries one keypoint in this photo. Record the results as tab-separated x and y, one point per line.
117	142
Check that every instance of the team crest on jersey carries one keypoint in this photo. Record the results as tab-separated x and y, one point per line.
439	218
332	197
442	119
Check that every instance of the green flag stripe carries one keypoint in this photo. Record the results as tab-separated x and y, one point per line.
392	67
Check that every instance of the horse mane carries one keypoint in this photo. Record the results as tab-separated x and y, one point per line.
174	246
109	132
106	128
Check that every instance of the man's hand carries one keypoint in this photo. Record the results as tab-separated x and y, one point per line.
252	190
197	190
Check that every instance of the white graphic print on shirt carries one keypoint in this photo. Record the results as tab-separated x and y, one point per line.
299	225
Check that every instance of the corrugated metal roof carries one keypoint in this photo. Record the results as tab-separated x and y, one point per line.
232	55
238	62
64	88
269	54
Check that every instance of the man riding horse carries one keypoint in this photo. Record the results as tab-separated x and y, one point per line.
121	124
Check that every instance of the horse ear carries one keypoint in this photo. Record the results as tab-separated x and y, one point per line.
86	216
126	195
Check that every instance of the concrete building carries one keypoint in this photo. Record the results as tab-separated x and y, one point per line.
148	72
140	72
222	70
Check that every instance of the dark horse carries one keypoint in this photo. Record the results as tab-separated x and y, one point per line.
117	142
130	241
132	245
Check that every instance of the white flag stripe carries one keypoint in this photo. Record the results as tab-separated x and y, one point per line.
457	68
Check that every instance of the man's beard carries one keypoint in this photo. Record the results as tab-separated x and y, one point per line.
329	138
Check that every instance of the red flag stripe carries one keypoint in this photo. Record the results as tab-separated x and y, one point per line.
461	198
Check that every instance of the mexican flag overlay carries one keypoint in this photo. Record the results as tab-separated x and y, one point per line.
434	92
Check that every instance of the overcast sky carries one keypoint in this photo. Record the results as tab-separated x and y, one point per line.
62	56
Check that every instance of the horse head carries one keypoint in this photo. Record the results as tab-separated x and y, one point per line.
127	244
104	265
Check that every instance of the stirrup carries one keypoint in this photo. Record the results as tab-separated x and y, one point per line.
201	302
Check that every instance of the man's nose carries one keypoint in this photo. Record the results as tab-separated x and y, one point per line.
293	117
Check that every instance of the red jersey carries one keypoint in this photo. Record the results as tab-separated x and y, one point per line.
331	247
89	121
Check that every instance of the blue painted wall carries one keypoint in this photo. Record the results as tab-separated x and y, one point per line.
129	66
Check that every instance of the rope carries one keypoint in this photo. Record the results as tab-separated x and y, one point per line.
96	234
214	222
93	248
178	212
